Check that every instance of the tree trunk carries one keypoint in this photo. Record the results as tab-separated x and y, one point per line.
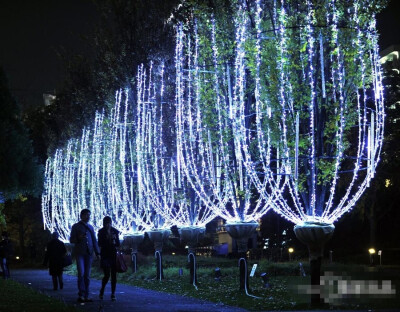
315	270
372	225
21	234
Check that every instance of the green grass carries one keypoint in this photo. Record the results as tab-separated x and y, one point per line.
19	298
284	278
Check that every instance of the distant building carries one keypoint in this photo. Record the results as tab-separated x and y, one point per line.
48	99
390	58
390	62
225	244
225	241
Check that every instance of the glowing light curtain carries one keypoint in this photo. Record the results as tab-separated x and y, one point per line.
318	117
161	178
210	153
97	172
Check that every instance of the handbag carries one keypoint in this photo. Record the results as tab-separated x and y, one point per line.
67	260
120	264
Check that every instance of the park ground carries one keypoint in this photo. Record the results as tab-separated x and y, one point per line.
141	292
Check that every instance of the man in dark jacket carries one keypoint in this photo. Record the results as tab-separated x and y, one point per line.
108	242
85	245
54	256
5	252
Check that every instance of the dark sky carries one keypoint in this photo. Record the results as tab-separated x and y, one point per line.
32	30
30	33
388	23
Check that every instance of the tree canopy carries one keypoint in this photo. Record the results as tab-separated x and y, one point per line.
19	171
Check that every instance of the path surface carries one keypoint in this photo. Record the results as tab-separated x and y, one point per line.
129	298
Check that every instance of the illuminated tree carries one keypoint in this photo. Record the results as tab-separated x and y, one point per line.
318	117
300	115
160	175
98	173
210	154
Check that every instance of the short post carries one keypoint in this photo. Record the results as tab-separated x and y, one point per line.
265	280
158	237
218	274
190	235
133	241
302	272
134	263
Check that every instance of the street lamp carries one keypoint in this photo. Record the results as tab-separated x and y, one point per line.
291	250
371	255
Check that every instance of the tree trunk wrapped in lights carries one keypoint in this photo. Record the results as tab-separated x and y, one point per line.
313	136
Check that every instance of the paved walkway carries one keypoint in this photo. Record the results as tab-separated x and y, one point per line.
129	298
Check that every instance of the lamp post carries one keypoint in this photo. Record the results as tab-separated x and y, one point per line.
290	250
371	256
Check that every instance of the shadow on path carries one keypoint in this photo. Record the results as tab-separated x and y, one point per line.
129	298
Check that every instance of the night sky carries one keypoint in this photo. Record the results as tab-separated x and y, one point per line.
31	31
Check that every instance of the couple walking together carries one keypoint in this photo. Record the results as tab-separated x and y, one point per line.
86	246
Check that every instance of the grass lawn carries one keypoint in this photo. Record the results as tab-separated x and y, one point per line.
15	297
284	278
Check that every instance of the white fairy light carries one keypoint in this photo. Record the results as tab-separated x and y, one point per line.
211	156
172	201
317	123
96	172
307	128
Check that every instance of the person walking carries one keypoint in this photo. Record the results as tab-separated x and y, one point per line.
108	242
54	256
5	253
85	245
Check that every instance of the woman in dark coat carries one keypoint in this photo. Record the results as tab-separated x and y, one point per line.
54	256
108	241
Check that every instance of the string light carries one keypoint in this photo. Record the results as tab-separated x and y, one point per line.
295	126
97	173
318	123
211	155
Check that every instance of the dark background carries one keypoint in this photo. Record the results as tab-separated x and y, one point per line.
31	33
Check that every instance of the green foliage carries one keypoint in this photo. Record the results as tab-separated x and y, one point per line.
2	218
380	200
19	171
16	298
